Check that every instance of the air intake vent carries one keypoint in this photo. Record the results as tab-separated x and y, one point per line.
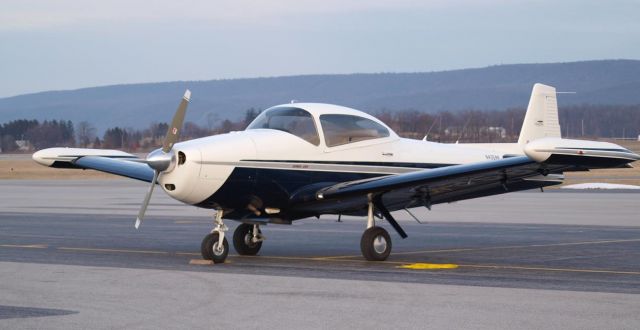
181	158
170	187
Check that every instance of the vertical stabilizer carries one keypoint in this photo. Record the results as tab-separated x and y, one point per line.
541	119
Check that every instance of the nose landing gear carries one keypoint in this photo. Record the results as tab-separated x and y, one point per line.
214	247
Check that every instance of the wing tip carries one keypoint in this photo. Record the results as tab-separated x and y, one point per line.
187	95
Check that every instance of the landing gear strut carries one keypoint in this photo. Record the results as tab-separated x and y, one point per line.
375	243
247	239
214	247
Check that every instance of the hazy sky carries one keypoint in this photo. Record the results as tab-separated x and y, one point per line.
68	44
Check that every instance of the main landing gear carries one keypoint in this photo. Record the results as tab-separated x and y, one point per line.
375	243
247	240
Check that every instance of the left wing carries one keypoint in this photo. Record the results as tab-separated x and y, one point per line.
108	161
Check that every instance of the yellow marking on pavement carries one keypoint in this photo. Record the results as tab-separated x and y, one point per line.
421	266
111	250
29	246
200	262
185	221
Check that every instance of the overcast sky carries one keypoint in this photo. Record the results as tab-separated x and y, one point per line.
68	44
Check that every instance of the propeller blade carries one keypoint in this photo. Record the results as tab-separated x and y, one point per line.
143	208
173	132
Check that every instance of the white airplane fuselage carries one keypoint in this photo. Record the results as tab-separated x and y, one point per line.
210	161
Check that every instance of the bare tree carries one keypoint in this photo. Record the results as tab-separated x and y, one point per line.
85	133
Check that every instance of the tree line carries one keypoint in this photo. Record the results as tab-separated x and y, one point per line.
588	121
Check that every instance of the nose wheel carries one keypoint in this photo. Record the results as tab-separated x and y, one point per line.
214	246
212	249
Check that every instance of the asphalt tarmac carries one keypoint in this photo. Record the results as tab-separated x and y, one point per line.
70	258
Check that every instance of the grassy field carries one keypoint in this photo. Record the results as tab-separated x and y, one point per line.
22	167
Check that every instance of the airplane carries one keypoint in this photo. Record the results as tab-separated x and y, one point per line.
301	160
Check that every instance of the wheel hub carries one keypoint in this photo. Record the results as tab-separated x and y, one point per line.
380	244
218	249
248	240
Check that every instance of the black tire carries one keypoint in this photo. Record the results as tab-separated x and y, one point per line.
375	244
242	240
206	253
208	250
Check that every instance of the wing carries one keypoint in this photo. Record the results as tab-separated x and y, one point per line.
448	184
452	183
108	161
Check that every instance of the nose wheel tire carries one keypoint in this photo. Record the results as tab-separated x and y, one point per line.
375	244
243	240
212	250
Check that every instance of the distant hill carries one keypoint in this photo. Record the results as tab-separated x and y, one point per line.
494	87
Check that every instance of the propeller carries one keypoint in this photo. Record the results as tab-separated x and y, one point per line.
161	159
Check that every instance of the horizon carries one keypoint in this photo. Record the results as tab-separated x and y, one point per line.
309	75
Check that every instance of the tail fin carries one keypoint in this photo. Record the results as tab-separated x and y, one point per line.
541	119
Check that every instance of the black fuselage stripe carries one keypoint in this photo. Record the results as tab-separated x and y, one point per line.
381	164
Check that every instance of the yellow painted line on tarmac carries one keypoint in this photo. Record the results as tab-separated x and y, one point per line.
325	259
400	263
28	246
550	269
111	250
498	247
187	221
424	266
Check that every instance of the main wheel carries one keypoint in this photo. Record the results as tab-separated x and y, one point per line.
242	240
210	250
375	244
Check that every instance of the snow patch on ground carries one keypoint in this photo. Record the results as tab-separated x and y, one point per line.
596	185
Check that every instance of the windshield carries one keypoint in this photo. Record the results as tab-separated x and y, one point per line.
343	129
291	120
